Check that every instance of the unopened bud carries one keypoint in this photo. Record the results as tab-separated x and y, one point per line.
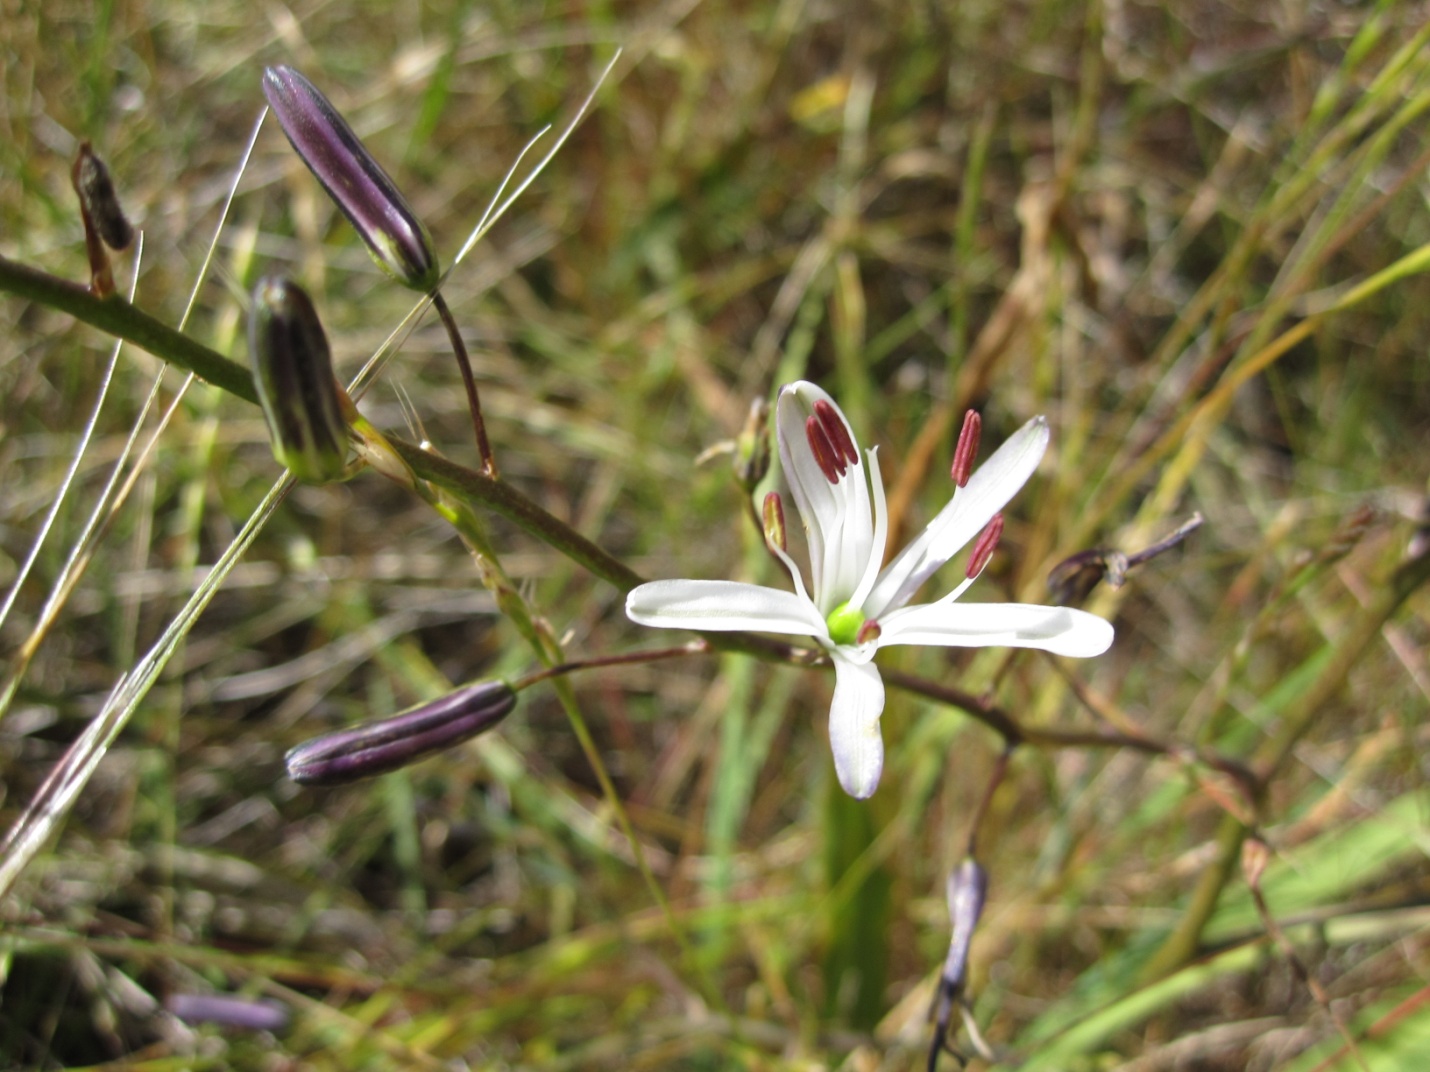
966	453
251	1014
357	184
99	201
774	519
293	373
385	745
752	447
984	546
967	890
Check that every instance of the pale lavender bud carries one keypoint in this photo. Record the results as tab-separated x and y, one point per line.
293	374
967	890
355	181
247	1013
374	748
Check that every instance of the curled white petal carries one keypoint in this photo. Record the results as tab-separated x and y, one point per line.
854	726
1060	630
815	498
838	518
971	508
723	606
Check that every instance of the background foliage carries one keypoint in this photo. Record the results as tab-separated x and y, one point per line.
1111	213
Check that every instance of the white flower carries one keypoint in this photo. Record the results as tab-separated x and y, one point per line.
851	607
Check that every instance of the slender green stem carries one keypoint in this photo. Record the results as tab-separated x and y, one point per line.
630	658
469	382
117	317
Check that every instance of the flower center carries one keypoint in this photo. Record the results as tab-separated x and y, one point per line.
845	623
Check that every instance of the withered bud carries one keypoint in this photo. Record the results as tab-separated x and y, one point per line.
1072	580
293	373
98	200
1255	855
357	184
752	447
378	747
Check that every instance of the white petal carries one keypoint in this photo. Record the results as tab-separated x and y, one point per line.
1060	630
837	518
970	509
854	726
723	606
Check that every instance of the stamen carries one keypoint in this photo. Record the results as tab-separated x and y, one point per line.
773	514
838	434
984	546
967	450
868	631
823	450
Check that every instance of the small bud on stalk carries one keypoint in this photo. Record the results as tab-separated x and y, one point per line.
385	745
357	184
293	373
1072	580
967	891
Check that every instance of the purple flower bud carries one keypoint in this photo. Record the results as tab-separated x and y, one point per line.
293	373
378	747
247	1013
967	890
355	181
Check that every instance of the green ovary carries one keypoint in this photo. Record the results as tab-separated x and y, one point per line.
844	623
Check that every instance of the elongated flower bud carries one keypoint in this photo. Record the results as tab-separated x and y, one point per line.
387	744
967	890
355	181
293	372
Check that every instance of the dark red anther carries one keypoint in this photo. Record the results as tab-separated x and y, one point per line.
844	450
985	545
823	450
868	631
966	452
